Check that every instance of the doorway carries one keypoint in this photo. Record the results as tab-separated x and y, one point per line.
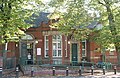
74	54
26	48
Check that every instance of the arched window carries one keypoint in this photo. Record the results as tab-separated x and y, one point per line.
27	37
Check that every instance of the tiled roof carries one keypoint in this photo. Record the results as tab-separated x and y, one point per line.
36	19
93	25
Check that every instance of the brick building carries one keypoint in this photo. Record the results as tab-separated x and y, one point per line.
49	46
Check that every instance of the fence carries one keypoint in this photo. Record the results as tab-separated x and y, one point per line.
9	63
24	61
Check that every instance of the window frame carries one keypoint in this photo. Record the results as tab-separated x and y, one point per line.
45	48
84	49
57	41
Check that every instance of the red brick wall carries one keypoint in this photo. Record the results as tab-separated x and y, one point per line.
96	54
92	53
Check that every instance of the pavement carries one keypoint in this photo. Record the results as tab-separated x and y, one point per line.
61	73
107	75
96	74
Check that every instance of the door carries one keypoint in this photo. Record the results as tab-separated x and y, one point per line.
74	54
26	48
23	53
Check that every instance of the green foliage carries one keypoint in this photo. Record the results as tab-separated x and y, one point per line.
82	12
13	14
74	19
103	37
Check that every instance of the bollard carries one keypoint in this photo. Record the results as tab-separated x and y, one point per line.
53	71
115	70
17	72
103	70
32	71
92	68
66	71
0	72
80	71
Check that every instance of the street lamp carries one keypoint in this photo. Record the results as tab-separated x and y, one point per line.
36	41
68	42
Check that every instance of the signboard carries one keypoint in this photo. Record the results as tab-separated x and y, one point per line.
38	51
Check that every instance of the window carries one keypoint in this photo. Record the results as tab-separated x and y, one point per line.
29	45
110	48
84	48
57	45
57	61
46	46
27	37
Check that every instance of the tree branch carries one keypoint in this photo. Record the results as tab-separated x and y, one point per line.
101	3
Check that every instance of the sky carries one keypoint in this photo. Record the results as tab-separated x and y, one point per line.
45	1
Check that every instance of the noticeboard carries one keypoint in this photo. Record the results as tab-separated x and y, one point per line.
38	51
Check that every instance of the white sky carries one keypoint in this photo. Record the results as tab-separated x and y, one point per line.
45	1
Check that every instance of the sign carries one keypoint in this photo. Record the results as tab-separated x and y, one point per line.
38	51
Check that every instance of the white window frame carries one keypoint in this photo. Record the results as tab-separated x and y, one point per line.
46	49
84	49
56	41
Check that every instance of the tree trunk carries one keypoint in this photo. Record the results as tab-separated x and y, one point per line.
113	28
118	54
103	55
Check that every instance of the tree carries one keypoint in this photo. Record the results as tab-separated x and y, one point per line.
80	13
71	20
13	14
109	14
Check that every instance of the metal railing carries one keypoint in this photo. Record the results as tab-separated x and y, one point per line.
9	63
24	61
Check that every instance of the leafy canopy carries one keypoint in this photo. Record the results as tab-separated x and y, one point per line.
80	13
13	14
74	18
